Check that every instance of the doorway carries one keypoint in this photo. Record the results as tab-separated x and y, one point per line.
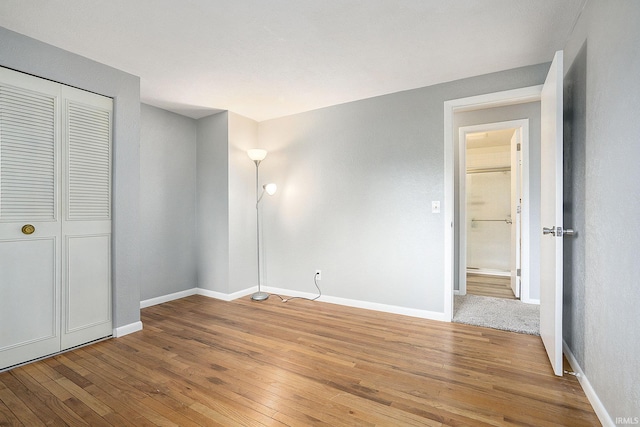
451	248
492	208
549	294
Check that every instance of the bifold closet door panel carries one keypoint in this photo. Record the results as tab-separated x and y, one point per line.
88	289
29	306
86	226
30	220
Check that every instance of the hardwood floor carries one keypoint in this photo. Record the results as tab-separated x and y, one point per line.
204	362
489	286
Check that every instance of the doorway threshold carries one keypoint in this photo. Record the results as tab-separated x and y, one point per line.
497	313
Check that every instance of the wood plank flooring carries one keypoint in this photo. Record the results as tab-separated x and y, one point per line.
489	286
204	362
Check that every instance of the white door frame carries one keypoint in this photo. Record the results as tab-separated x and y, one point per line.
497	99
517	207
521	126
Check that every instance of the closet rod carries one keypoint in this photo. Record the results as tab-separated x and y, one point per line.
503	169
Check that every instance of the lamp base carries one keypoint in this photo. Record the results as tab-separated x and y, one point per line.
259	296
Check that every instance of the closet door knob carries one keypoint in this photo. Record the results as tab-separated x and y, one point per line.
28	229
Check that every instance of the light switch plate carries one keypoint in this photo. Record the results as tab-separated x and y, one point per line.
435	206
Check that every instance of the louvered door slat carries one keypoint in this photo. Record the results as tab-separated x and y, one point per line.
27	155
93	120
26	131
27	148
92	160
17	162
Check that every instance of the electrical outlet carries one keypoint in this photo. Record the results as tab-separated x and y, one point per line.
318	274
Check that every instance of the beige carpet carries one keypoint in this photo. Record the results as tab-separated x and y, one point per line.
497	313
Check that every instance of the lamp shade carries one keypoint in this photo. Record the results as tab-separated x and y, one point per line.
270	188
256	154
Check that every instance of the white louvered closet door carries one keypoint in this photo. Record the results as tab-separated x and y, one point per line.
86	225
30	285
55	217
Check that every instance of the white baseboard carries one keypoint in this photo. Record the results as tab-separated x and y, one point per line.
195	291
424	314
413	312
595	401
166	298
127	329
225	297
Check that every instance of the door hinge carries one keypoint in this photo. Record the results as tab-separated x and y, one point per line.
518	147
518	272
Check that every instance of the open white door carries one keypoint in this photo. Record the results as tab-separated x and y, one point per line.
551	214
516	211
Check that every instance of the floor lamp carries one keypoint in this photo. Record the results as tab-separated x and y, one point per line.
258	155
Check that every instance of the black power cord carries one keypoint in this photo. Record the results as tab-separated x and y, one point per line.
315	281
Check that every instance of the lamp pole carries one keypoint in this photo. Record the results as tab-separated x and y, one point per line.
258	296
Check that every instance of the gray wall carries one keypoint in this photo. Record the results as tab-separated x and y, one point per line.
575	103
243	135
31	56
357	181
603	303
212	203
529	111
167	202
226	214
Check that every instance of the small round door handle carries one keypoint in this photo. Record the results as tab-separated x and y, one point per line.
28	229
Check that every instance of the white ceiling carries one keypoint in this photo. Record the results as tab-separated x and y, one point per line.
269	58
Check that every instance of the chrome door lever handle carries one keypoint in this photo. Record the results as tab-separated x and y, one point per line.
558	231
